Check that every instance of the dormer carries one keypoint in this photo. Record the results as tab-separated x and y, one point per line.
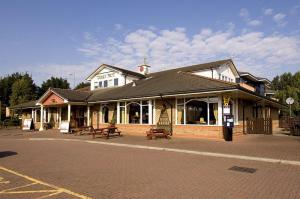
223	70
106	76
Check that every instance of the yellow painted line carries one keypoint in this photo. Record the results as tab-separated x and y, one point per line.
35	191
52	194
27	185
59	189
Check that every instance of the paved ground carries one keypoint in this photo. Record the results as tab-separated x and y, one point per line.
77	168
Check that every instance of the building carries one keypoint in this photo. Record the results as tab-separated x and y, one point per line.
193	96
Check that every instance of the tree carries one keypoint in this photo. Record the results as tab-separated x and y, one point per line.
82	85
53	82
6	86
288	85
23	90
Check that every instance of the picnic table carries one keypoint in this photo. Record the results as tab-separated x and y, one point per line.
106	132
155	132
82	130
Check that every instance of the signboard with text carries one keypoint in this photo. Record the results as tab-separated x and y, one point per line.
64	127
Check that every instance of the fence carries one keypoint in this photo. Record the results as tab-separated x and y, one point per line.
259	126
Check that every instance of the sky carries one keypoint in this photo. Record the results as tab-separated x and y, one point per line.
64	37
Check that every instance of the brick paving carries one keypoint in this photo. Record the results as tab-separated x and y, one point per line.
102	171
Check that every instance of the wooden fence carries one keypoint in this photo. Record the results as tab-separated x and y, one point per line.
259	126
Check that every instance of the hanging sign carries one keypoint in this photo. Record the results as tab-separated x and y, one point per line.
226	101
64	127
27	124
226	110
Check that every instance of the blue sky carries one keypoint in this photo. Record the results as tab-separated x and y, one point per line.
58	38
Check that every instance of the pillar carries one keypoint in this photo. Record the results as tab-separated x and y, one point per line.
220	112
32	115
88	116
69	112
118	112
150	115
59	117
42	119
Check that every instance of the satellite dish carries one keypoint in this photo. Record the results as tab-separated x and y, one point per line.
289	101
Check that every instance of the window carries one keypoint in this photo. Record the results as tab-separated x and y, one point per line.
105	83
196	112
203	111
225	78
105	114
219	76
213	113
116	82
100	84
222	77
145	112
136	112
180	111
133	110
96	84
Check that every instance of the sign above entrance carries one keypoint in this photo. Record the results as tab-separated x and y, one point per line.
104	76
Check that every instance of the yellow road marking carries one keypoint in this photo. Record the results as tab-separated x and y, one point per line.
56	188
2	181
52	194
36	191
27	185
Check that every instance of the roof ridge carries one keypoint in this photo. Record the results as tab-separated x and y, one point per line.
208	78
185	67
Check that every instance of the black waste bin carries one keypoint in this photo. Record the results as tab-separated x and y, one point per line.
227	134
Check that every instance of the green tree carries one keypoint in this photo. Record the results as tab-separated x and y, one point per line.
288	85
6	86
23	90
53	82
82	85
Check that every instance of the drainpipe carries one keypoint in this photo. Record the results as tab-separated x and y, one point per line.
171	112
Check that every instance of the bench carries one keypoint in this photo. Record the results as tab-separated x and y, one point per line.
158	131
84	130
106	132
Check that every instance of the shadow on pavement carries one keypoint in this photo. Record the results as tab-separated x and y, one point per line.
4	154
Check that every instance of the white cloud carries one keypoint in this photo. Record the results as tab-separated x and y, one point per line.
254	22
280	19
244	13
262	54
118	27
268	11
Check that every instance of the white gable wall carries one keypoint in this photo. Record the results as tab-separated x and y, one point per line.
109	75
223	72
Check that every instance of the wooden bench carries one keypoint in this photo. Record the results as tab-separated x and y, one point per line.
84	130
106	132
156	132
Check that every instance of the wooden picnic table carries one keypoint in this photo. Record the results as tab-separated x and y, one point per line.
155	132
82	130
106	131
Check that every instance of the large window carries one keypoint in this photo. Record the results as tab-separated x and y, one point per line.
135	112
202	111
196	112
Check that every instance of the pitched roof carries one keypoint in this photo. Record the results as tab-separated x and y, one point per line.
125	71
72	95
30	104
161	83
243	73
